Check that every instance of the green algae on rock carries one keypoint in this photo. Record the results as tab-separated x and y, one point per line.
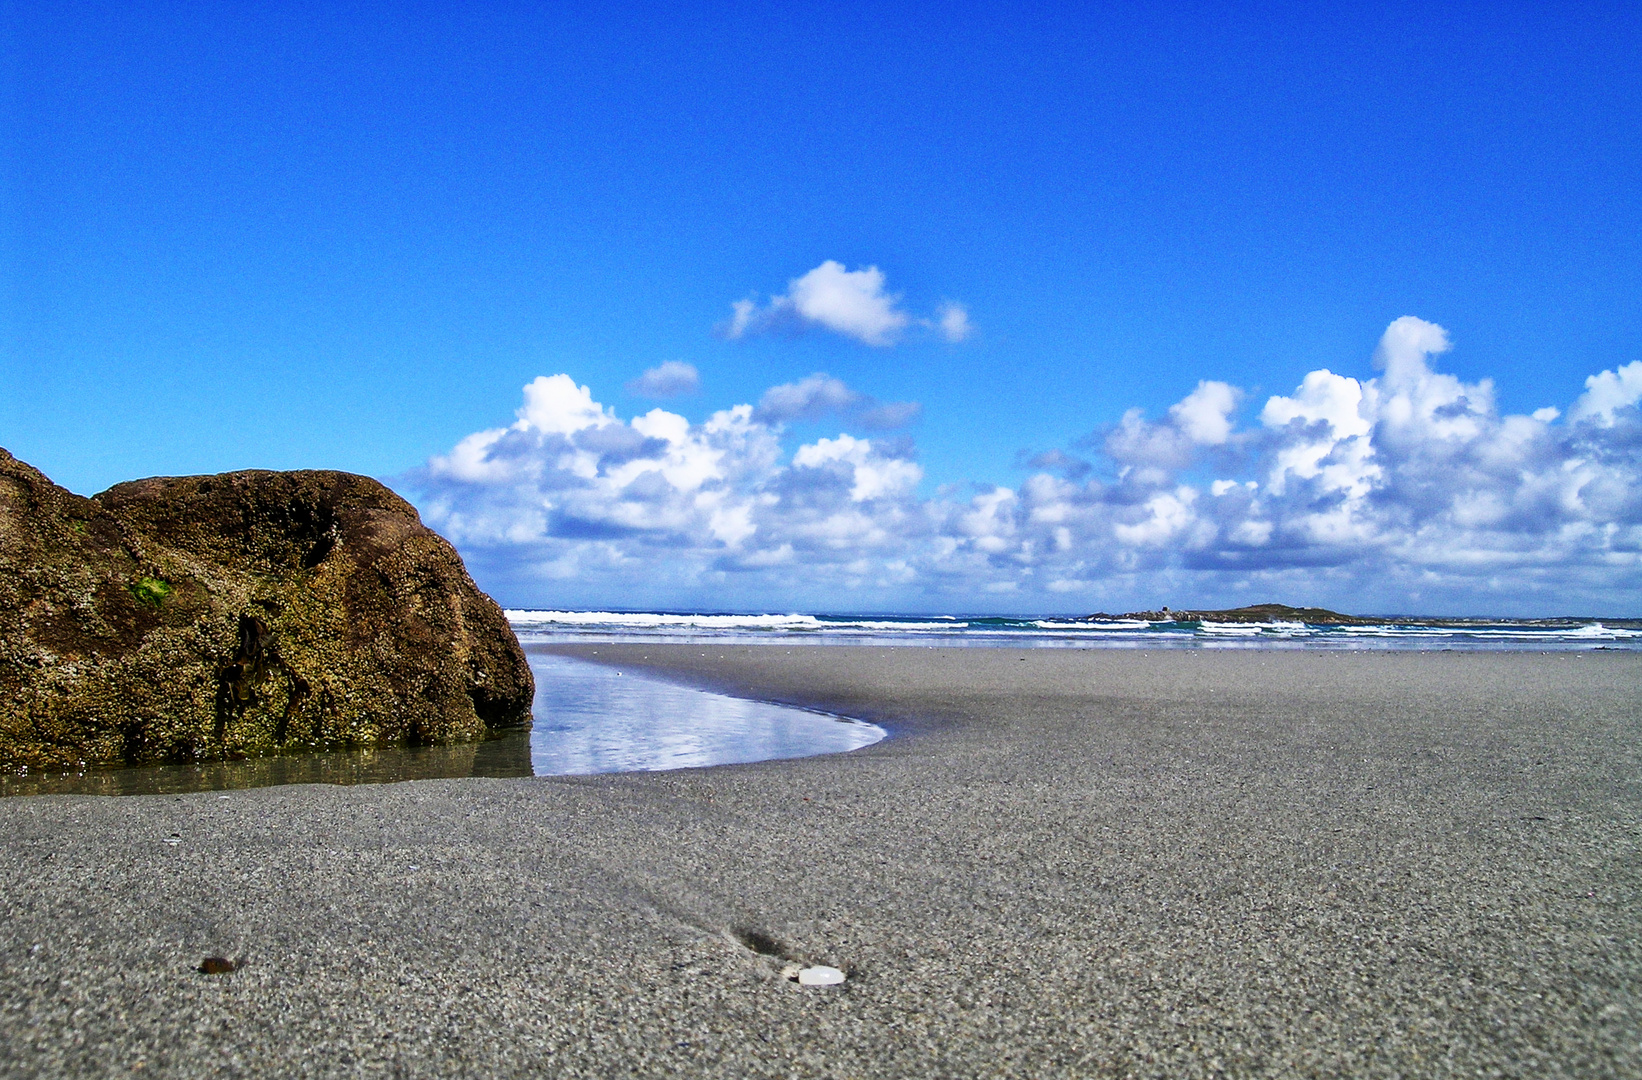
188	618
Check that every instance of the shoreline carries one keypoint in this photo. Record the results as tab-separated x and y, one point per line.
1062	862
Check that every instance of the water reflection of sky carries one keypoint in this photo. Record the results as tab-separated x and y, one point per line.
596	719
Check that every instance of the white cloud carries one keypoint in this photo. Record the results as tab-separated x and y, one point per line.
953	322
1201	418
873	475
553	405
817	396
744	319
1381	492
1324	434
1204	415
1165	515
556	404
470	459
810	398
1404	347
1607	393
674	378
851	303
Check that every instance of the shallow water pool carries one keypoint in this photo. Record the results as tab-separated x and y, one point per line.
589	719
595	719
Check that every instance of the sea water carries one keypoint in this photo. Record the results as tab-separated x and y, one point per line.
544	627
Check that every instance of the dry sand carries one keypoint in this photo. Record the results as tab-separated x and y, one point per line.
1064	863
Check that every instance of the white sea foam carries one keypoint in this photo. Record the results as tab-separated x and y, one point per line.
525	621
1232	629
648	620
1102	626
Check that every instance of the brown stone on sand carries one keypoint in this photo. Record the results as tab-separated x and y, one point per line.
180	618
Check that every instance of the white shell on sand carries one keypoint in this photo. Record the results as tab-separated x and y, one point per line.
820	976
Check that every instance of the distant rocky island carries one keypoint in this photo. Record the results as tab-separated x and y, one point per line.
1280	613
1254	613
179	619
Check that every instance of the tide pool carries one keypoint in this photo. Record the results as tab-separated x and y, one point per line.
596	719
589	719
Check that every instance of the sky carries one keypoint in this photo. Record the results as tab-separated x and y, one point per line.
869	308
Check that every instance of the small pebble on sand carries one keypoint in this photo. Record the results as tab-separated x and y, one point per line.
820	975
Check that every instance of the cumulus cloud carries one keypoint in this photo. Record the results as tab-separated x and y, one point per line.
820	395
1322	432
1404	348
1608	392
1204	415
852	303
871	474
1405	489
673	378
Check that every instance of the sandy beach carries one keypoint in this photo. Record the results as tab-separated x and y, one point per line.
1061	863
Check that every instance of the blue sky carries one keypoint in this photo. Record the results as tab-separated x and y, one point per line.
348	236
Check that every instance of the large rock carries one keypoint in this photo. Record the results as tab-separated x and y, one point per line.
186	618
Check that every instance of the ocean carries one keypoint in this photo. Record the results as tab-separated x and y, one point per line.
1394	632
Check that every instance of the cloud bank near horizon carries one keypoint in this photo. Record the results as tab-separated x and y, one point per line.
1401	491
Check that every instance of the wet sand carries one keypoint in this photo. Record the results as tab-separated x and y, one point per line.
1062	863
